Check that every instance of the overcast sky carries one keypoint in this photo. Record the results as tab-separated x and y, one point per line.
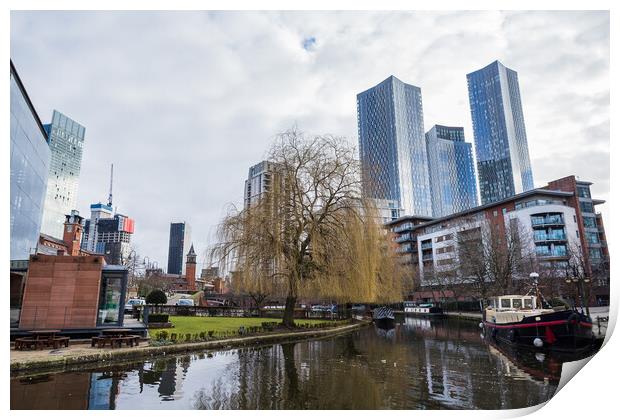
184	102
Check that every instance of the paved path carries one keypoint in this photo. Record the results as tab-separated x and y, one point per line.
81	355
599	328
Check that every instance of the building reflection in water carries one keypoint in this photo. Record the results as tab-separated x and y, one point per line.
420	364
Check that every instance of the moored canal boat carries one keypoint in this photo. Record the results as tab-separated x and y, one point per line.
522	320
383	317
422	309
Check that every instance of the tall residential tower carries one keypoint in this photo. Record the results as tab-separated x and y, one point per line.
178	247
66	139
261	179
392	146
502	154
451	170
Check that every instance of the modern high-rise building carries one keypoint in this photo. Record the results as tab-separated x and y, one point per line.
66	139
392	146
261	179
98	211
108	235
178	247
502	153
451	171
30	159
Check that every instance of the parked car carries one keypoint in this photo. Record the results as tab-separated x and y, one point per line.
185	302
323	308
134	302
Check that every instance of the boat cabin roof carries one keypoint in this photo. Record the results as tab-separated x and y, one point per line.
514	302
513	297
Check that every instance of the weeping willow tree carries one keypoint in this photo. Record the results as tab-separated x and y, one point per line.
311	235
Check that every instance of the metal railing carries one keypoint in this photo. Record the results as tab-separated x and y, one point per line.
235	311
552	220
556	237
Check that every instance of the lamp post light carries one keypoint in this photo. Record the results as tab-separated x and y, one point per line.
584	298
579	290
534	277
569	280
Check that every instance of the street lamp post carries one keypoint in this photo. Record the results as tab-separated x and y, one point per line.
579	291
534	277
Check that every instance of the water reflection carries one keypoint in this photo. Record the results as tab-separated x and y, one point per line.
420	363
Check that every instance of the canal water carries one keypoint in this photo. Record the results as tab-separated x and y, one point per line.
420	364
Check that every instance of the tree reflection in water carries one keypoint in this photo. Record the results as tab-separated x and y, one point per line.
420	364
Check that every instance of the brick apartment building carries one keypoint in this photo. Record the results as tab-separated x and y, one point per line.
555	222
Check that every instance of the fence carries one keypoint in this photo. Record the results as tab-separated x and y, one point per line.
234	311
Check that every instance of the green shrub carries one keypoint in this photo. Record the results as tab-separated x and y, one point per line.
156	297
158	317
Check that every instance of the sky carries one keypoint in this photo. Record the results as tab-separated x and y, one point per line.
183	103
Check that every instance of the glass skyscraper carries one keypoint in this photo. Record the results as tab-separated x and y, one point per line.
66	139
178	247
502	154
451	171
392	146
30	159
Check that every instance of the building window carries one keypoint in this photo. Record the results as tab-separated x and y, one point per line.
110	304
592	237
589	222
595	253
584	192
586	207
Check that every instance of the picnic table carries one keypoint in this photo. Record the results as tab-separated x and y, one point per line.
40	339
114	337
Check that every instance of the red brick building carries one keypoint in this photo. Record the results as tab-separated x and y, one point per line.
64	287
558	222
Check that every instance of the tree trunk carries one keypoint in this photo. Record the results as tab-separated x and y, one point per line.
289	312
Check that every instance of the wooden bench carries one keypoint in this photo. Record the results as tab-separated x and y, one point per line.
27	343
24	343
114	341
100	341
60	341
132	340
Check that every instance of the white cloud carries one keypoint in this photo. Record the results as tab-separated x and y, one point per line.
184	102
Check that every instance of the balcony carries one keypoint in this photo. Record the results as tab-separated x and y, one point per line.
403	227
550	238
427	245
548	221
551	254
427	257
404	249
404	238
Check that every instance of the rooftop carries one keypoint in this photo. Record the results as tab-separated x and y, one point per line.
525	194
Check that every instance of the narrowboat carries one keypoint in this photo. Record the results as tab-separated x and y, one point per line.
383	317
422	309
522	320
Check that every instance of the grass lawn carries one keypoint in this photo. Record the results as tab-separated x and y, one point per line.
196	324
